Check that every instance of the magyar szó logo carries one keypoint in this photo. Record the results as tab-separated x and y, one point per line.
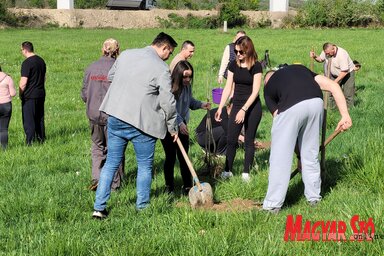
330	230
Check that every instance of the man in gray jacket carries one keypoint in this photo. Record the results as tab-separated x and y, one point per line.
141	108
95	86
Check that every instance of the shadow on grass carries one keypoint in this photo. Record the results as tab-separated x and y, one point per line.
262	159
335	171
67	132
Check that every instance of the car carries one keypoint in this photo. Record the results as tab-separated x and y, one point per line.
131	4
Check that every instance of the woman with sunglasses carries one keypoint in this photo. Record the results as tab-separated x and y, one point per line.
182	77
244	80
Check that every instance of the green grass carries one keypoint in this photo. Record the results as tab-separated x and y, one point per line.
45	206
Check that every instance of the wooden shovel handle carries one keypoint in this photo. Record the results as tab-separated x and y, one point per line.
311	60
189	163
332	136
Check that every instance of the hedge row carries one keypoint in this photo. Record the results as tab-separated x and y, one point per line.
312	13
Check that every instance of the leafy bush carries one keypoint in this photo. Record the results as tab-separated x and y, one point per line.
230	12
204	4
190	21
6	17
335	13
249	5
187	4
8	3
87	4
379	7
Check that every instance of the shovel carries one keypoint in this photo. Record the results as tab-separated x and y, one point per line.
201	194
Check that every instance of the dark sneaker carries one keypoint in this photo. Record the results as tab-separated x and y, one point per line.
100	214
169	190
185	190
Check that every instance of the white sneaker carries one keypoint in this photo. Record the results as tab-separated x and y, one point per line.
226	175
245	177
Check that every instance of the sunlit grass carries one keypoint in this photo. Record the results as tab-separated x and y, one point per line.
45	206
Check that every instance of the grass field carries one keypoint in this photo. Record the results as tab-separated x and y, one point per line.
45	207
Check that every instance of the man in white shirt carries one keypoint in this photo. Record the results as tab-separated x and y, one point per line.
342	70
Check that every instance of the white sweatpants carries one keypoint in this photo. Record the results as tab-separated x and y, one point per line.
301	123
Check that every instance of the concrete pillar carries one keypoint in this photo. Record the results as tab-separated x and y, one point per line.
278	5
65	4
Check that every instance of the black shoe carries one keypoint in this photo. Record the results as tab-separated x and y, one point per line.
185	190
168	190
100	214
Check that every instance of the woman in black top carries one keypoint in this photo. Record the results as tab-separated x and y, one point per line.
244	79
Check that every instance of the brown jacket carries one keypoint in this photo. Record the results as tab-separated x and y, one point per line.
95	86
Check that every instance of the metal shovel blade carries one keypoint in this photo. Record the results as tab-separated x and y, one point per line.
201	194
201	198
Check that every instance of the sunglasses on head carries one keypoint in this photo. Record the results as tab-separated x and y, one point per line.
239	52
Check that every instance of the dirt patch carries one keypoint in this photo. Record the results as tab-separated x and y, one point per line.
125	19
234	205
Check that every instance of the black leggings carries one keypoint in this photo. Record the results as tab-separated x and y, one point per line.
251	122
5	117
171	149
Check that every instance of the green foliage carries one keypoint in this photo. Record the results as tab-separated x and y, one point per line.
190	21
187	4
230	12
380	9
163	4
45	207
205	4
6	17
30	3
380	5
37	3
9	3
9	19
80	4
336	13
249	5
87	4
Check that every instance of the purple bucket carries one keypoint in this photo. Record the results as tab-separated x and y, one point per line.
216	95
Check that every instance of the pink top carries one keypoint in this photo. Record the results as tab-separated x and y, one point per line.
7	89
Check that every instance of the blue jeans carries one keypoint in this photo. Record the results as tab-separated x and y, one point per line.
119	133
